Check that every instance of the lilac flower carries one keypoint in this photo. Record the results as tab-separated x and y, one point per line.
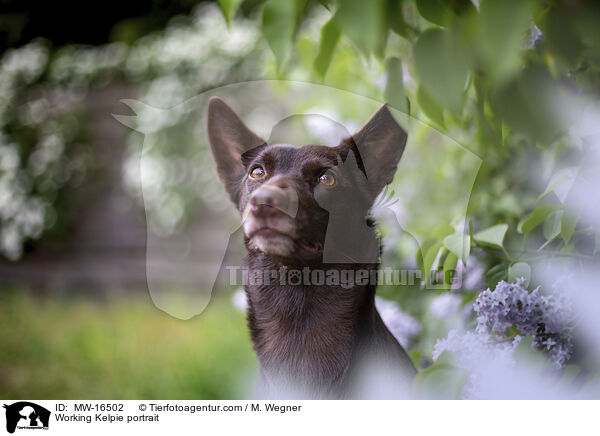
487	352
445	305
471	276
403	326
548	319
535	35
473	347
477	352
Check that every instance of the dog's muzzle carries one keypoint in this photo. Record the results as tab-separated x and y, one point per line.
272	199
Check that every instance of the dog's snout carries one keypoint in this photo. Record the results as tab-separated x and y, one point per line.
273	198
262	205
267	200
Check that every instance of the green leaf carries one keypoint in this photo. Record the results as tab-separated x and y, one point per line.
442	12
440	232
449	269
528	104
460	245
279	24
442	380
561	183
363	23
395	18
525	354
501	44
430	107
495	274
430	256
552	227
442	63
229	7
330	35
424	248
568	224
493	235
435	11
518	270
505	131
537	217
394	88
561	35
327	4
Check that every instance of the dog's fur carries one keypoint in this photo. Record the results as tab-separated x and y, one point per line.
314	341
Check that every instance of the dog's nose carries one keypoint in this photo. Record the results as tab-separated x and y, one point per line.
267	200
272	199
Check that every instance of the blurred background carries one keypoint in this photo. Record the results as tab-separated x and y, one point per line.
108	192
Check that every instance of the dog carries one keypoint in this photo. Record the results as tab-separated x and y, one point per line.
306	209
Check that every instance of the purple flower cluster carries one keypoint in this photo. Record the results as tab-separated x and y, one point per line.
403	326
481	355
548	319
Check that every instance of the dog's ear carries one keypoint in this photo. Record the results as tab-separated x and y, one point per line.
229	139
380	143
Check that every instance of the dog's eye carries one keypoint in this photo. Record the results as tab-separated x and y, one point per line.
327	179
258	173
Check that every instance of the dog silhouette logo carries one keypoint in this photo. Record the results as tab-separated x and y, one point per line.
26	415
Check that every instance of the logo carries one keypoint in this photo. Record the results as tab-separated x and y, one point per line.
26	415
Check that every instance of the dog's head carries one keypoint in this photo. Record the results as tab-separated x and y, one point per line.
289	195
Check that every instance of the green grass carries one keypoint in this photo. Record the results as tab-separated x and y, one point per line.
122	348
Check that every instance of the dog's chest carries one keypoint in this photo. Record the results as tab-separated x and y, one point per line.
303	335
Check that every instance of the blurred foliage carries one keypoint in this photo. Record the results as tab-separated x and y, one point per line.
42	153
120	349
504	79
45	145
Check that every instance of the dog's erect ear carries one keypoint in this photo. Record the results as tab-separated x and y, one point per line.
380	144
229	139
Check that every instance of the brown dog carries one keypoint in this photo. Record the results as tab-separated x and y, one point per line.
305	209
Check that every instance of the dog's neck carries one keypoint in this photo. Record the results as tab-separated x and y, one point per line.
306	335
358	246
